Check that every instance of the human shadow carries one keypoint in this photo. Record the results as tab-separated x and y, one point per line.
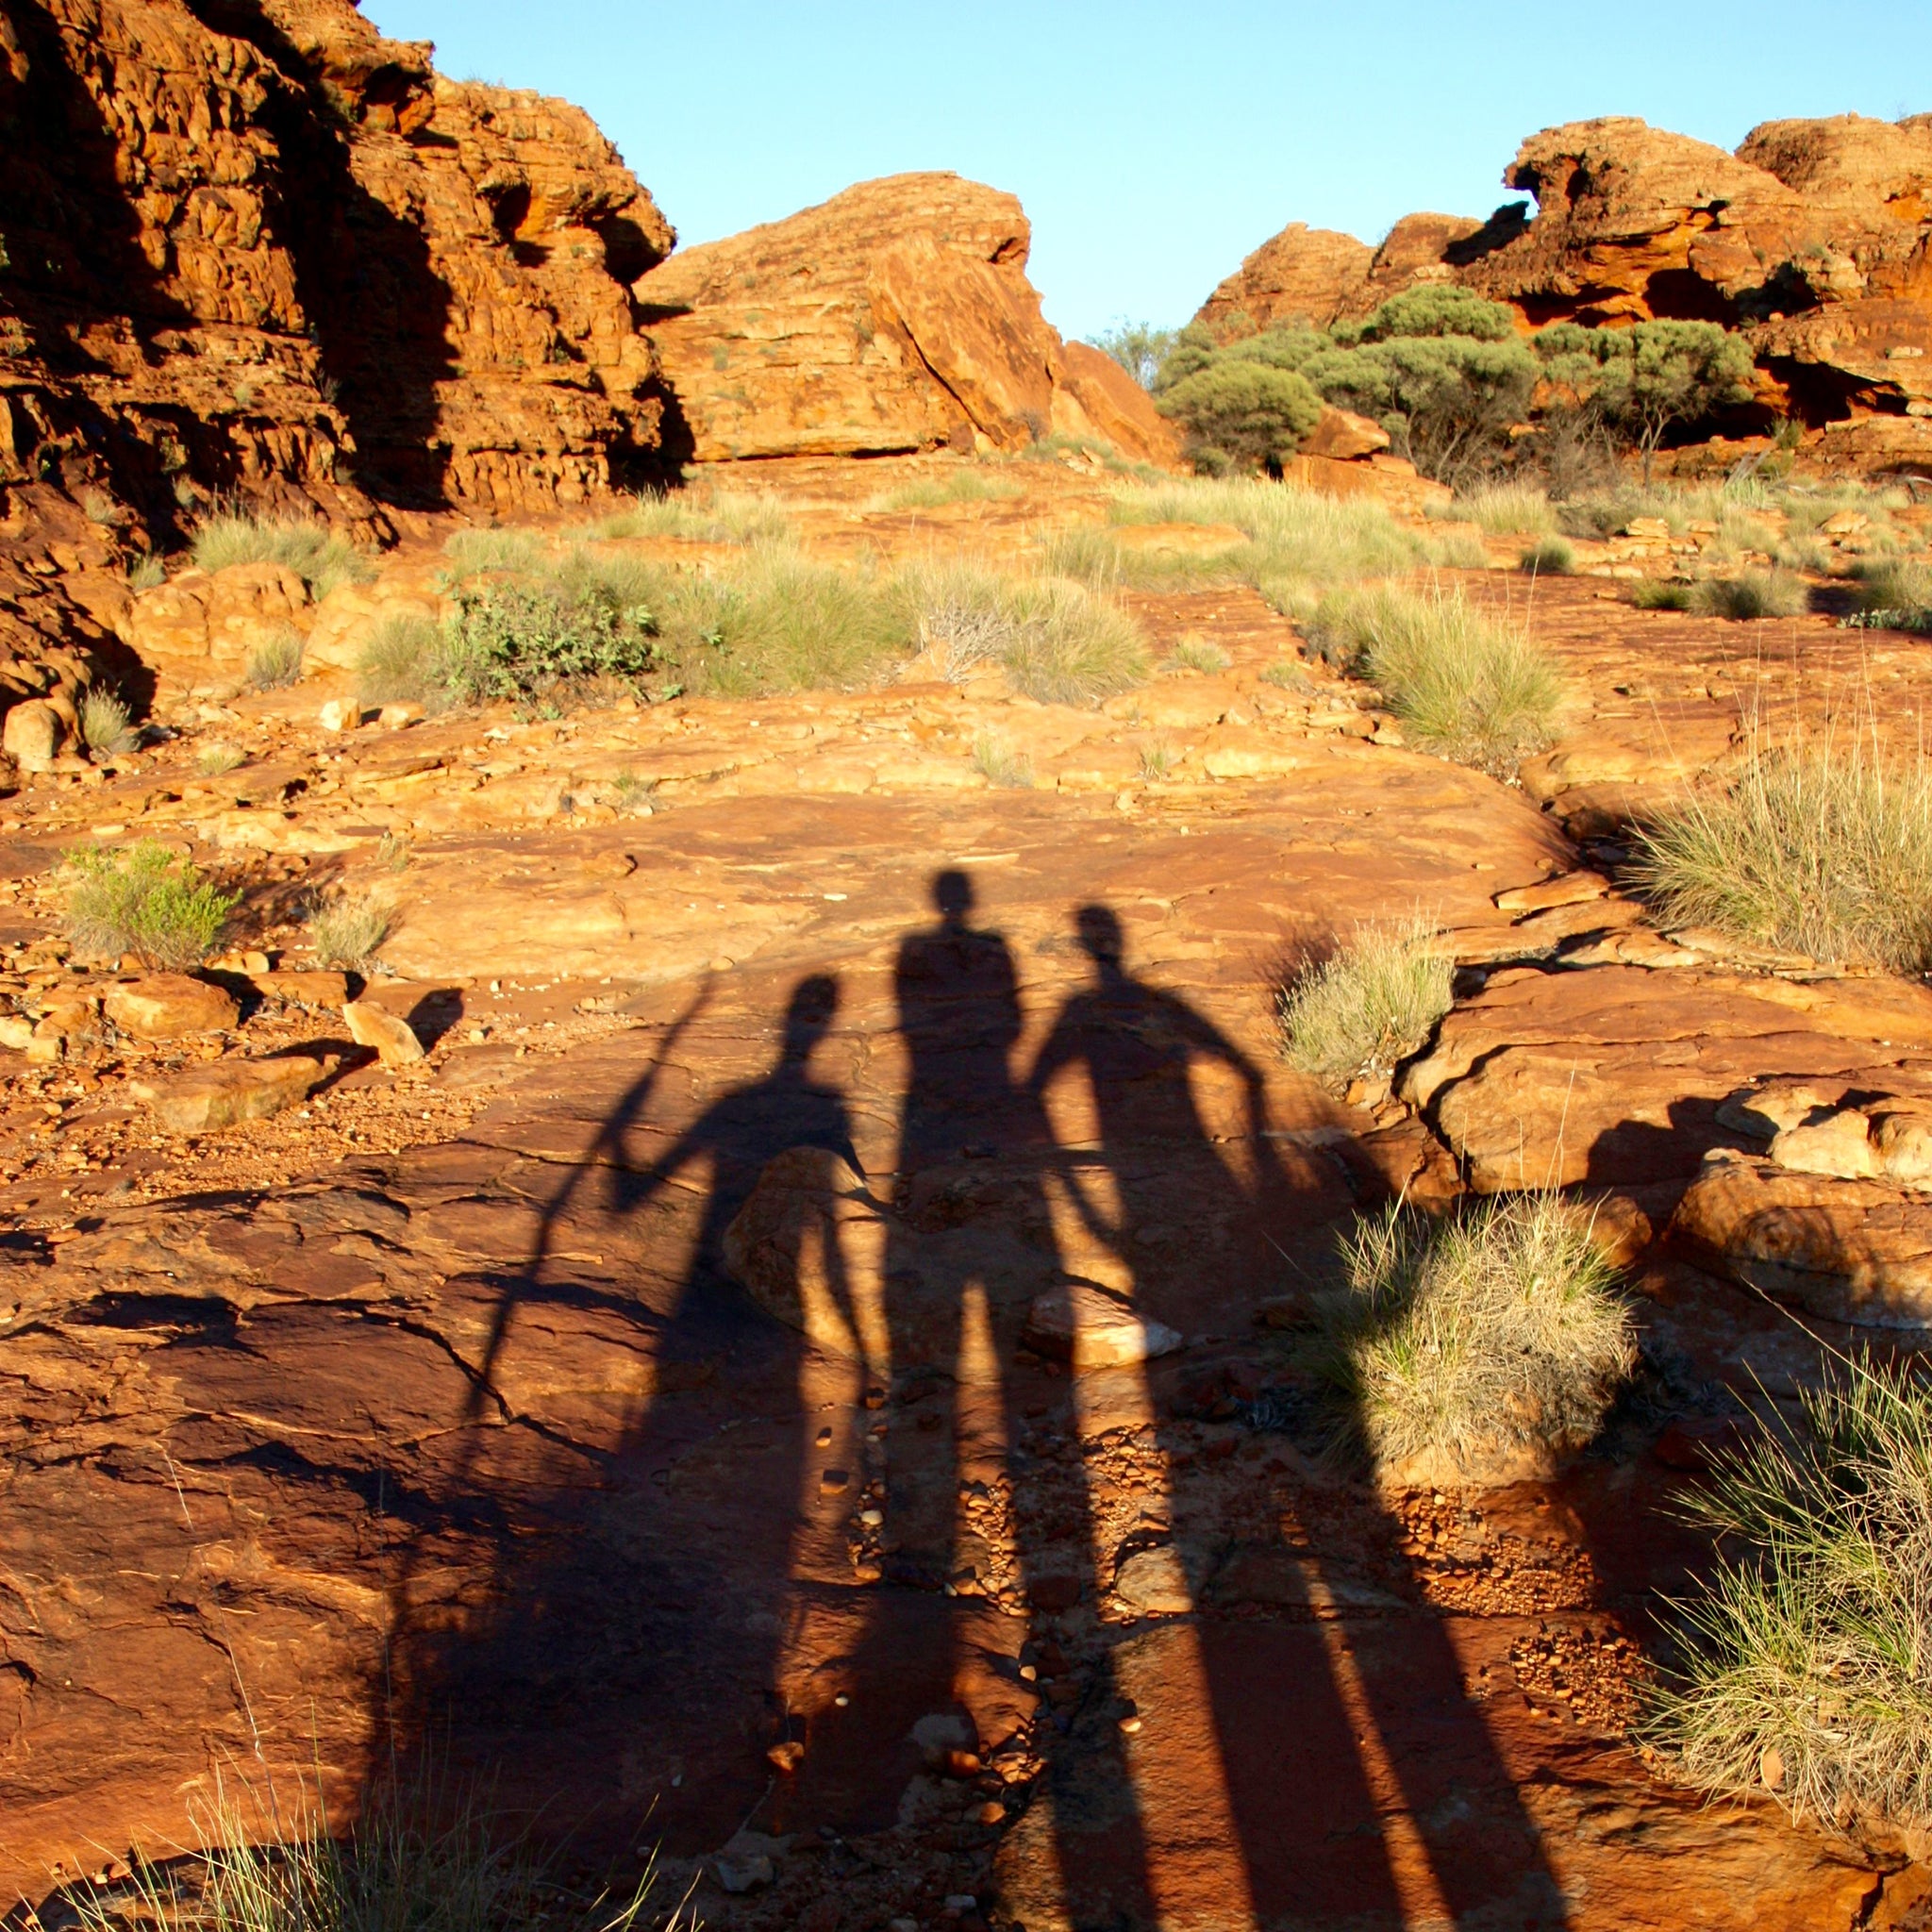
1298	1703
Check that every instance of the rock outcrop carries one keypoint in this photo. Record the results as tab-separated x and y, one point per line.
255	246
895	316
1815	239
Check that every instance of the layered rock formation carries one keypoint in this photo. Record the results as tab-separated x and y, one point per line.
1815	237
895	316
253	245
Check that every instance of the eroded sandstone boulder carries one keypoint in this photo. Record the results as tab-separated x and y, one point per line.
895	316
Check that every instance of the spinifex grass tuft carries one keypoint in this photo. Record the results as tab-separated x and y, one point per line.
1369	1005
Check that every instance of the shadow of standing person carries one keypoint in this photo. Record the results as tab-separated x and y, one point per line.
970	1247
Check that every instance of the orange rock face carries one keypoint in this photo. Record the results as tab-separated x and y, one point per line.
258	245
1302	275
895	316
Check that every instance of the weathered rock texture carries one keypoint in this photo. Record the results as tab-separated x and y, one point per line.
252	240
895	316
1814	238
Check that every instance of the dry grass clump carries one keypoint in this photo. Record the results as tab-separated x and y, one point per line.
1664	593
1369	1005
217	760
476	552
1506	509
1896	594
1549	557
1751	595
418	1862
146	572
1807	1670
961	485
320	557
276	662
1056	640
1825	851
145	901
106	724
699	516
1201	654
1464	685
1499	1327
1001	764
407	660
347	932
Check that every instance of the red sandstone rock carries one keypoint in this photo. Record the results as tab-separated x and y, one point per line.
1312	275
895	316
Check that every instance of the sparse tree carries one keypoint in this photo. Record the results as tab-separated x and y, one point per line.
1138	347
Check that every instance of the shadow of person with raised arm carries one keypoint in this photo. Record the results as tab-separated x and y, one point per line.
613	1583
1312	1743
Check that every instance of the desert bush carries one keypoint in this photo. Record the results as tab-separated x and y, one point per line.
1241	415
1805	1665
145	901
105	724
1896	594
1751	595
1464	685
1643	381
1549	557
348	931
1825	851
1002	764
146	572
1368	1005
214	760
277	662
1056	640
1664	593
320	557
520	641
1138	347
1506	509
1501	1326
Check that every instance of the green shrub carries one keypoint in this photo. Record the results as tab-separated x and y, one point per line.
1806	1670
1369	1005
1664	593
1643	381
1499	1326
277	662
348	932
145	901
1823	852
1549	557
1751	595
1464	685
105	724
1242	415
1436	311
321	558
511	640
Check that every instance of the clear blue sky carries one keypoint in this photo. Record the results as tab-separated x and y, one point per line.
1154	146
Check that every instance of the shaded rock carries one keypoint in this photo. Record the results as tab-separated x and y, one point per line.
206	1099
1274	1577
392	1037
1155	1581
169	1005
1852	1251
1092	1329
304	988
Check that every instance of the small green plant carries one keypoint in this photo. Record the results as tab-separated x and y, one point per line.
321	558
1751	595
1821	851
106	725
277	662
520	641
1549	557
146	572
347	932
1805	1667
1285	675
1002	765
1367	1006
633	788
145	901
1157	759
1199	654
1664	593
216	760
1464	685
1499	1327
